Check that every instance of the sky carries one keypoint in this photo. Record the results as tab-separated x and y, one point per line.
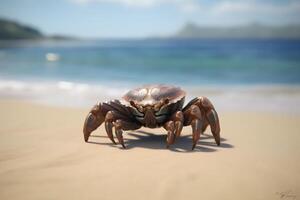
144	18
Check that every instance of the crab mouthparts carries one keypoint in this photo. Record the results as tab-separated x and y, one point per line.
150	120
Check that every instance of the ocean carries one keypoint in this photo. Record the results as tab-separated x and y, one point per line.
236	74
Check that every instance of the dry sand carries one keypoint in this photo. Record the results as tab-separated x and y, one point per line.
43	156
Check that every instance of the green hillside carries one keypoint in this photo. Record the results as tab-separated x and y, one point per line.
13	30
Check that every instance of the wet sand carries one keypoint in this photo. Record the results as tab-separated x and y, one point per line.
43	156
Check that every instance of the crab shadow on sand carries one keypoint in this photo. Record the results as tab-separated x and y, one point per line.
144	139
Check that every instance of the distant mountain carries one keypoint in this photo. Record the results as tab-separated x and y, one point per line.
254	30
13	30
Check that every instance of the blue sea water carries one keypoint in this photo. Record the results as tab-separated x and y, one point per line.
185	62
81	72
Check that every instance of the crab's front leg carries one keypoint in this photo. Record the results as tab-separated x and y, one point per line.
93	120
109	113
199	113
174	127
114	119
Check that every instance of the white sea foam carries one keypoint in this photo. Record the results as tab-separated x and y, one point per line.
280	98
61	93
270	98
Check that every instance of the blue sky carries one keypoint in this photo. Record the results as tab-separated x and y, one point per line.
142	18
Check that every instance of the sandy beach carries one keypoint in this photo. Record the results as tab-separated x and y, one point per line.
43	156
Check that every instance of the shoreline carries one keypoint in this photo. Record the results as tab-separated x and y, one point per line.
258	98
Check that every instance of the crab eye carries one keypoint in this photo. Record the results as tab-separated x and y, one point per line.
166	101
132	103
138	107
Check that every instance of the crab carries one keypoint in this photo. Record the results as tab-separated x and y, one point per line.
154	106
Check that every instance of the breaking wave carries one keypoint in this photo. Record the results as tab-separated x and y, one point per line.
273	98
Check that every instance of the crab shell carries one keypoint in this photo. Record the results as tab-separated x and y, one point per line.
153	94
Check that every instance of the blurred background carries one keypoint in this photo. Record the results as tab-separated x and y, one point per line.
243	55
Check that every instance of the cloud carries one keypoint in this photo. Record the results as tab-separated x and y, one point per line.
132	3
235	7
190	6
185	5
222	6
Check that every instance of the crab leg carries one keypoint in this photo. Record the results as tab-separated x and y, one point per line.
174	127
113	114
196	126
109	125
121	125
205	125
170	127
210	116
119	134
178	119
195	119
93	120
213	120
112	119
97	116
